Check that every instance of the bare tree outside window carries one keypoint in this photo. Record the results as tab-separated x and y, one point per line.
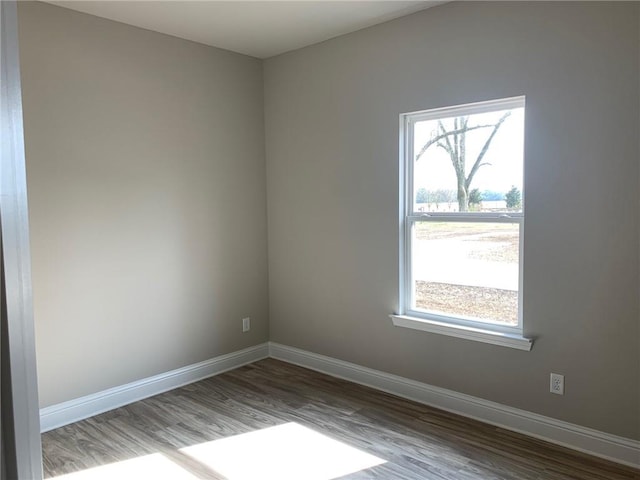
452	138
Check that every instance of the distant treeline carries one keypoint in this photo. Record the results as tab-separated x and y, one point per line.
441	196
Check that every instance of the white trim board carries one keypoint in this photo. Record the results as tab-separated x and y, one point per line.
21	445
84	407
611	447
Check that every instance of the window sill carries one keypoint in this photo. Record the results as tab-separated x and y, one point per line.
469	333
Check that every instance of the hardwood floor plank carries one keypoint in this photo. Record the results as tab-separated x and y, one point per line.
413	440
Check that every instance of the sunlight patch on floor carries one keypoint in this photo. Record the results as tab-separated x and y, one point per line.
285	452
155	466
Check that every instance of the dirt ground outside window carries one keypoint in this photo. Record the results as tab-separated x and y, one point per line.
467	269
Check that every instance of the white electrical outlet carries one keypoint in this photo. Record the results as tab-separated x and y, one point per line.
557	384
246	324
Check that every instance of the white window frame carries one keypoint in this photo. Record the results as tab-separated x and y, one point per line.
485	331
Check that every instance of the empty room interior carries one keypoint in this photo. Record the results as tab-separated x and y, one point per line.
320	240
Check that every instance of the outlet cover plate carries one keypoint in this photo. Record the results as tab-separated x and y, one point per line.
557	384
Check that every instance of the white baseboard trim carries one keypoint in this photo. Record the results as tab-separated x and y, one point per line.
84	407
587	440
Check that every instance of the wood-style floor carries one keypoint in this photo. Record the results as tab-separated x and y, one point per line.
414	441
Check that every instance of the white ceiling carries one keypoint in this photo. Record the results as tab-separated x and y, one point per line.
257	28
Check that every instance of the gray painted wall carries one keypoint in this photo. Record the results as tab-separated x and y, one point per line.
332	146
145	164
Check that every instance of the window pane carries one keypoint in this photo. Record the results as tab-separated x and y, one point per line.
469	163
467	269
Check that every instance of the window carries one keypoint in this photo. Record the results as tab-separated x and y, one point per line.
462	221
